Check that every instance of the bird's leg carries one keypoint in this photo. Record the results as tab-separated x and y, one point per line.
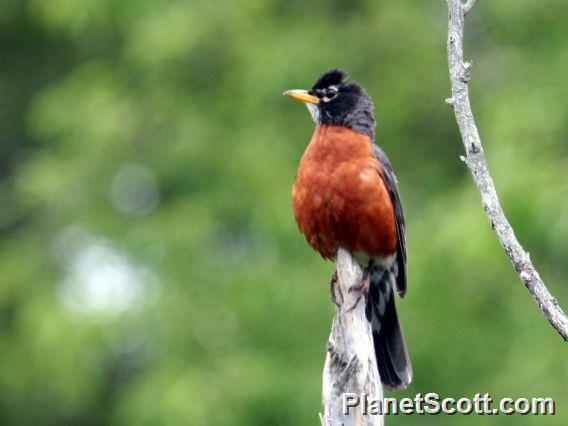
332	288
362	288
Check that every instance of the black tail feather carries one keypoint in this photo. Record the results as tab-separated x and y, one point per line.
390	350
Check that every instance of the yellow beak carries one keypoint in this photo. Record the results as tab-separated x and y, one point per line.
302	96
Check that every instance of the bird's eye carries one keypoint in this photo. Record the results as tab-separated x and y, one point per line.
331	93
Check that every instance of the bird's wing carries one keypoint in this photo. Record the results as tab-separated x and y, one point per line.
389	180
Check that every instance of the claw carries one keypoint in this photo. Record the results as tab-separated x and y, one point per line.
362	288
332	287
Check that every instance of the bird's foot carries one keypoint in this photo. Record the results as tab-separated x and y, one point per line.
333	288
362	288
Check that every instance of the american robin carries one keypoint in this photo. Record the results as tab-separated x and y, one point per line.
345	194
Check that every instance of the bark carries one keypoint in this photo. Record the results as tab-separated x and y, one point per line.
350	366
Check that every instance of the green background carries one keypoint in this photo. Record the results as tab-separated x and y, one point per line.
150	268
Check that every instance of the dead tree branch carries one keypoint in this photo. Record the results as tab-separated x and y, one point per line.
468	6
350	366
475	160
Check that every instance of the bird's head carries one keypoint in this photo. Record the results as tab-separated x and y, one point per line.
335	101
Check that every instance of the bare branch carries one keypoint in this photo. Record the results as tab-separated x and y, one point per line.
475	160
350	366
468	6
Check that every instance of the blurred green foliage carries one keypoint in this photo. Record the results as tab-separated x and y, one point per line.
151	270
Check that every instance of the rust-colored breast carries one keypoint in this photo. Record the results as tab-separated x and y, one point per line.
339	198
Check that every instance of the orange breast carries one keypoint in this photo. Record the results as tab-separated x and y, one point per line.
339	198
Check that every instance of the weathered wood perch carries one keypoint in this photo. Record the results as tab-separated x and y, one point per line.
475	160
350	366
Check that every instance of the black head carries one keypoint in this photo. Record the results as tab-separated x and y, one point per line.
335	101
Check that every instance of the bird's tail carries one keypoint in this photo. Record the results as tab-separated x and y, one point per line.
390	350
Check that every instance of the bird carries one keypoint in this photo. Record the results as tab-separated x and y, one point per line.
345	194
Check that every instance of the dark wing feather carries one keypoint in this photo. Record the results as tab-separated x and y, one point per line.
390	182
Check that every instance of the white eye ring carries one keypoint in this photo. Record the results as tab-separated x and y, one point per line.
330	93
